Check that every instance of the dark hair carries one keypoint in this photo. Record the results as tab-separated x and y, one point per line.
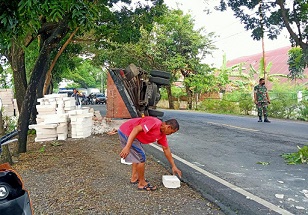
261	79
174	124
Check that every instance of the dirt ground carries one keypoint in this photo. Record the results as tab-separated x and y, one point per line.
85	176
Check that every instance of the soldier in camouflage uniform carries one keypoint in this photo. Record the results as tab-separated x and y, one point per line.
261	99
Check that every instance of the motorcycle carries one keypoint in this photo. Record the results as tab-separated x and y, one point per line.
91	99
14	198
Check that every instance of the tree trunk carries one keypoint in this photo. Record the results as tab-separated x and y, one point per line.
5	156
189	97
17	60
170	97
40	88
39	71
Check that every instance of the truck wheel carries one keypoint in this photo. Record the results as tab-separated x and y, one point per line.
155	113
159	81
162	74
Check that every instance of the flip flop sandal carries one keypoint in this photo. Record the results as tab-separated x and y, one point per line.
148	187
136	182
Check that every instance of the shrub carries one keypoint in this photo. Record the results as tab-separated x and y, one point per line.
303	110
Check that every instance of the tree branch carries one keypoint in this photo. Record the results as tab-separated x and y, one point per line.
287	23
48	75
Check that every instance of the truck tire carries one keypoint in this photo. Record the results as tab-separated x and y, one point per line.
159	80
155	113
162	74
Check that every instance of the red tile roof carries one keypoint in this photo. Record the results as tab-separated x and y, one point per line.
278	57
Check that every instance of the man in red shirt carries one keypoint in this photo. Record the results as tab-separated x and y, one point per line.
137	131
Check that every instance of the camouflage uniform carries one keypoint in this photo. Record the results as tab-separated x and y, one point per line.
261	99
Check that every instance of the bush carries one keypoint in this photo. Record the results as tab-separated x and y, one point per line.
246	103
219	106
303	110
283	106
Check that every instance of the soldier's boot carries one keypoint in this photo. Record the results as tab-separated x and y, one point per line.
266	120
260	119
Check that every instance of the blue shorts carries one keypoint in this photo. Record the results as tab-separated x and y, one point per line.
137	153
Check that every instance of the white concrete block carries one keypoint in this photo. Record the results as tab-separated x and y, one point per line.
62	129
171	181
124	162
37	139
43	126
62	136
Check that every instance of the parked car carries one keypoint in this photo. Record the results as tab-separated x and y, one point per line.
68	91
100	98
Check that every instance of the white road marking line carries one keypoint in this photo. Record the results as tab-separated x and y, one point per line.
231	186
232	126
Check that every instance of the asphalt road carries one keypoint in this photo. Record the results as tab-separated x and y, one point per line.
230	148
219	156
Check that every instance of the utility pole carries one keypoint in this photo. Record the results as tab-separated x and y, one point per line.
262	38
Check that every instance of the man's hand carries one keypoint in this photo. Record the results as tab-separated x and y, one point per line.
175	171
256	102
269	101
124	152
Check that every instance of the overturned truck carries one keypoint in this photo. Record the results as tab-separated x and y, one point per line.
138	89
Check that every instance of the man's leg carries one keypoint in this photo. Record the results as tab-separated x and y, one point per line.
265	113
140	172
134	177
143	184
259	107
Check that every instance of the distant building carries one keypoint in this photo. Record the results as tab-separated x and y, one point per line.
278	58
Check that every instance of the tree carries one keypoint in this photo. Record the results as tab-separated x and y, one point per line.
173	45
50	23
85	75
296	63
271	17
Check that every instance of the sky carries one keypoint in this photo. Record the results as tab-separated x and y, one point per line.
233	39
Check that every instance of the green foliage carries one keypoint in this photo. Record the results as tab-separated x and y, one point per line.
303	110
5	77
43	149
202	82
171	45
296	63
219	106
85	75
9	123
127	22
276	15
299	157
283	101
245	103
32	131
176	92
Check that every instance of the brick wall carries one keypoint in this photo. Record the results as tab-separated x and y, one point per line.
115	104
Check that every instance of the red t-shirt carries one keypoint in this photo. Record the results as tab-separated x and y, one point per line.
151	130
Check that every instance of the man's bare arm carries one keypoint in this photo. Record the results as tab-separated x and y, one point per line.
130	140
169	157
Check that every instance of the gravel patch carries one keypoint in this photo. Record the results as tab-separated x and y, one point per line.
85	176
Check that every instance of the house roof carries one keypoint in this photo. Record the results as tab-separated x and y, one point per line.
278	58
